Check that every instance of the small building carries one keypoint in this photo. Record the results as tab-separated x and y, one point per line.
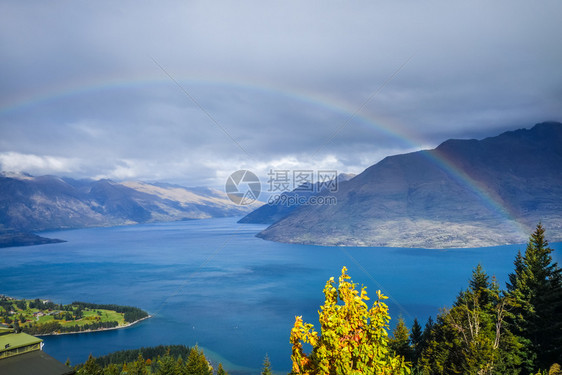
22	354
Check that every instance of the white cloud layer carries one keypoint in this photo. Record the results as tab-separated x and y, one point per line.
301	84
16	162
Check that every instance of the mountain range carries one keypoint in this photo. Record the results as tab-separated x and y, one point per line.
278	208
30	204
464	193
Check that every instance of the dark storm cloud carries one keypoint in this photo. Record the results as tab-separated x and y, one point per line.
81	94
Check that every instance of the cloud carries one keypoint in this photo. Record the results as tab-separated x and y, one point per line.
16	162
288	82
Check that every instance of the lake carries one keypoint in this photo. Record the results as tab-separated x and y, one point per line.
213	283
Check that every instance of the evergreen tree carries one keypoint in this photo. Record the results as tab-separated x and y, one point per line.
428	329
536	288
266	370
416	339
167	365
423	350
90	367
400	341
181	368
17	328
197	364
138	367
112	369
204	366
472	337
479	283
220	370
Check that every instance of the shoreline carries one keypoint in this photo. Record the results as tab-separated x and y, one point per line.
96	330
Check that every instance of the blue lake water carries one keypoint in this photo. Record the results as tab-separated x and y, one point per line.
213	283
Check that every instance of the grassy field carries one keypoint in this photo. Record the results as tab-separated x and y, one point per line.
90	316
37	316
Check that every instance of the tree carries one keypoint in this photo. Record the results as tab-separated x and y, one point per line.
400	341
266	370
536	288
90	367
197	364
479	284
416	339
112	369
472	337
354	338
167	365
17	328
220	370
138	367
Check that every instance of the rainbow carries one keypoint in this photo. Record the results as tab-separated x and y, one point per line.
384	126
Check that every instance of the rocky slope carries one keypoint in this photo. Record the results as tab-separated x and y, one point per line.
29	204
464	193
282	206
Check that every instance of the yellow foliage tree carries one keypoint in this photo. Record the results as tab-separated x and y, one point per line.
354	337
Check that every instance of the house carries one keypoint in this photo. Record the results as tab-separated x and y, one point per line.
22	354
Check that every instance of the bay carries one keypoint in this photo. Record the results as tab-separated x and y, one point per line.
214	284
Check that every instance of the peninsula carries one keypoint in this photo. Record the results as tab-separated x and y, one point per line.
43	317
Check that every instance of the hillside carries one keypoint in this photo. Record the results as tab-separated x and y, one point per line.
464	193
30	204
279	208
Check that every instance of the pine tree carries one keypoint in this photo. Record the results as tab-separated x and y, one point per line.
112	369
181	367
479	283
204	366
425	348
220	370
90	367
138	367
472	337
416	339
536	288
266	370
167	365
197	364
400	341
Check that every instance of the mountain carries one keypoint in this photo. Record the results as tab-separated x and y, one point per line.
284	204
29	204
464	193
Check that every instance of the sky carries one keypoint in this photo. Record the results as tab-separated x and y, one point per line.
188	92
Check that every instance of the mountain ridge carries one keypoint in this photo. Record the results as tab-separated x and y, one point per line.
30	204
429	198
276	210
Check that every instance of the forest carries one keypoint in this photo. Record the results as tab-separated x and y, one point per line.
159	360
490	330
